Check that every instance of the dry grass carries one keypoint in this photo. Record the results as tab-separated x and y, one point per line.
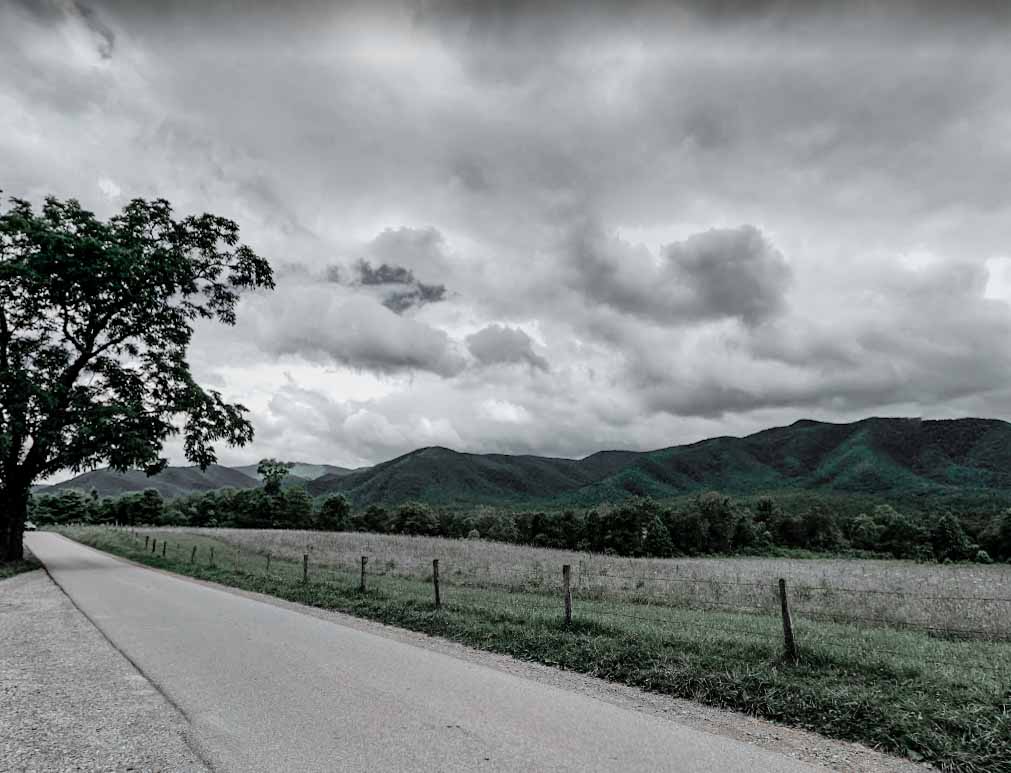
948	601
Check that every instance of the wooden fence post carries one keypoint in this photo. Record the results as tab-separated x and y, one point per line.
789	643
154	545
193	555
146	538
435	582
164	547
268	563
212	557
365	560
566	577
305	567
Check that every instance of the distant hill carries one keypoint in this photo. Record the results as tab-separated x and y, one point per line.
887	458
439	475
170	482
882	458
301	470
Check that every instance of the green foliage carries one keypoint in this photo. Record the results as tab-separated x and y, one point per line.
658	543
375	518
273	473
996	537
949	539
334	514
705	524
95	321
415	518
982	557
295	510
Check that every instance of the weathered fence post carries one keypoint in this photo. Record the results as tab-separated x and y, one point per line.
211	561
193	554
305	567
154	545
146	538
164	547
789	644
268	563
435	582
365	560
566	577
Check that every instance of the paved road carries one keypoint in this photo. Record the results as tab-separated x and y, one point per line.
267	688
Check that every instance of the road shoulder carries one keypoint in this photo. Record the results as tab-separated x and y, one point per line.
68	700
796	743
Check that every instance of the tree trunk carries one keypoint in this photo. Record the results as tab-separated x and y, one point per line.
13	512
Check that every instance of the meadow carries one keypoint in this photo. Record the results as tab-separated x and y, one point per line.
955	600
901	656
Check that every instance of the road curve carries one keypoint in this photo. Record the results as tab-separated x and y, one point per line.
266	688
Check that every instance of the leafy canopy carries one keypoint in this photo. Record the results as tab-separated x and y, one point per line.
274	473
95	321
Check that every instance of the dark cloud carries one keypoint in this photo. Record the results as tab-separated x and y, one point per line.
64	11
105	36
731	273
400	289
719	274
501	344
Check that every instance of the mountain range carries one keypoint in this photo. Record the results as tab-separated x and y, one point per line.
881	457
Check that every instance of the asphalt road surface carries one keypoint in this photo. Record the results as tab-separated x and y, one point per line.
267	688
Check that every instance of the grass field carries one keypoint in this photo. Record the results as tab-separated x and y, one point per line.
705	629
956	600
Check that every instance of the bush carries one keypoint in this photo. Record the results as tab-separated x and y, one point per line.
982	557
473	534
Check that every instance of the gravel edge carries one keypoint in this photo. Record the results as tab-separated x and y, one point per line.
69	701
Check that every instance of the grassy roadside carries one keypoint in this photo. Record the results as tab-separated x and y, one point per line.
940	701
10	569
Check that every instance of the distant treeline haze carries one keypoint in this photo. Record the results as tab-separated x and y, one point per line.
709	523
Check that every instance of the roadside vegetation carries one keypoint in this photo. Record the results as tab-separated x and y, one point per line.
932	692
709	523
12	568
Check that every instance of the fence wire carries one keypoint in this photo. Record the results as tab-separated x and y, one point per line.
532	592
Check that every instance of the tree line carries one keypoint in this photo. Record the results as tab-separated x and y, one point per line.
708	524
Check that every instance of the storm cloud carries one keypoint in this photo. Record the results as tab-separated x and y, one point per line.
501	344
552	228
722	273
400	290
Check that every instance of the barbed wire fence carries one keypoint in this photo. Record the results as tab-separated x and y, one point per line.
784	615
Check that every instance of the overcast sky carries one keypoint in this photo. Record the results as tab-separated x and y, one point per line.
500	228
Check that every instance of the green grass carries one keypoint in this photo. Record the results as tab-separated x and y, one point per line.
946	702
12	568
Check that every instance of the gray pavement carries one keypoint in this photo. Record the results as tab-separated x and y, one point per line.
268	688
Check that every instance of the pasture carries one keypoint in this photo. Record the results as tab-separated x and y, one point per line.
901	656
958	600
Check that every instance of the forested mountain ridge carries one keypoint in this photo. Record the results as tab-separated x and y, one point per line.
880	457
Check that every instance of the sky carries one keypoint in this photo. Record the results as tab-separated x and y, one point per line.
553	228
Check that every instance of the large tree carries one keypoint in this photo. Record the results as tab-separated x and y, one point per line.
95	321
